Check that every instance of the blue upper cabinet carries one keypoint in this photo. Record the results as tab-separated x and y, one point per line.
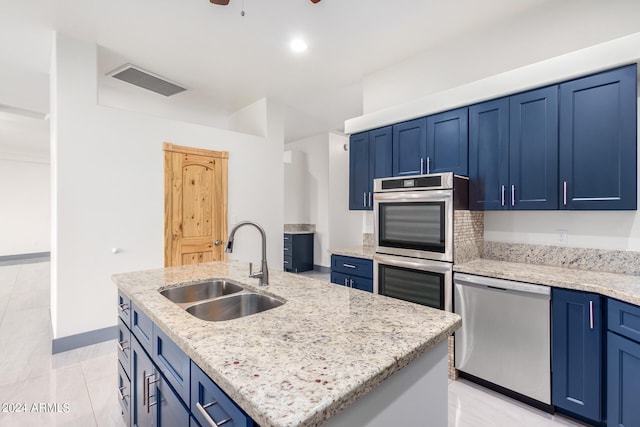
533	150
448	142
358	171
488	154
410	147
576	347
369	158
598	141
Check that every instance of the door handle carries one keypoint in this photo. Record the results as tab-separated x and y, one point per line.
428	167
591	321
351	283
346	281
369	198
364	199
502	196
217	242
564	192
147	391
421	165
513	195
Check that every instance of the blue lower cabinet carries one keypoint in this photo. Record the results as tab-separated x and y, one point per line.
169	409
352	272
124	391
623	364
211	406
623	381
174	364
577	357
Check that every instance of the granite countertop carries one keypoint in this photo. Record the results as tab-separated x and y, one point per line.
620	286
300	363
356	251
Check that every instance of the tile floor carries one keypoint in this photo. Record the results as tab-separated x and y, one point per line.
82	382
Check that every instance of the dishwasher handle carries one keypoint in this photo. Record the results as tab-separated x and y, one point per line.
500	284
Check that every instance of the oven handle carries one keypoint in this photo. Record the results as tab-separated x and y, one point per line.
414	263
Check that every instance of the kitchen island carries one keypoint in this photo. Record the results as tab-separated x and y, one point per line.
329	355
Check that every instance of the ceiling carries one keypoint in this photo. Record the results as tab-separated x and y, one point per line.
228	61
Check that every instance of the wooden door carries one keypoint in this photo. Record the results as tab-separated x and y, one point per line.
195	205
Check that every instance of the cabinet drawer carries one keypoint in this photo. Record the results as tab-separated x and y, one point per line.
352	266
124	388
124	308
142	327
207	397
172	362
362	283
124	347
339	278
624	319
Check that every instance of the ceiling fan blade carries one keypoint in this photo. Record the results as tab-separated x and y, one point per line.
222	2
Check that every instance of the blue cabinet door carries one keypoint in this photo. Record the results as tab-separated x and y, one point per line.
141	371
410	147
380	153
488	154
359	176
533	149
623	381
598	135
577	353
448	142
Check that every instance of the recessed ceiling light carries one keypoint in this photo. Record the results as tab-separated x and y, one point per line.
298	45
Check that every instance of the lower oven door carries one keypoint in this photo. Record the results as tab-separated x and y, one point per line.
415	280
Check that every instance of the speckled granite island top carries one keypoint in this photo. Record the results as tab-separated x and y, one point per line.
620	286
366	252
303	362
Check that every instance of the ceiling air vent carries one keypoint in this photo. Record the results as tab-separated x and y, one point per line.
146	80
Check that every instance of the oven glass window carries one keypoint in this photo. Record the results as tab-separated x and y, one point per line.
421	287
412	225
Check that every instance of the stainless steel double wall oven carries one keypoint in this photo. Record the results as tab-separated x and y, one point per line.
413	232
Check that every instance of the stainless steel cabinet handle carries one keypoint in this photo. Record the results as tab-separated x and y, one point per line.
502	196
428	168
286	238
286	249
513	195
370	199
591	322
421	165
123	307
349	265
346	281
286	262
147	384
564	185
120	390
351	283
364	199
122	345
203	411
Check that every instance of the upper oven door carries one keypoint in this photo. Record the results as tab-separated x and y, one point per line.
417	224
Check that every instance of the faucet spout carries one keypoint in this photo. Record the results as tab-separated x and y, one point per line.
262	276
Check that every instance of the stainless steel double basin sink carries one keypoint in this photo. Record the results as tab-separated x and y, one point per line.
220	299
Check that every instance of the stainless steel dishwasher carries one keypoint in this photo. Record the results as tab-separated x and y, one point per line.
505	336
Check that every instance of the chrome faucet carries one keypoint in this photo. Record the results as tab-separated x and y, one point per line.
262	276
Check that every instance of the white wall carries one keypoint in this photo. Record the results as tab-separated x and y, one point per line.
316	153
548	31
345	226
107	180
25	212
296	196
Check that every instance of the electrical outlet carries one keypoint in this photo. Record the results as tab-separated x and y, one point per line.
563	237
